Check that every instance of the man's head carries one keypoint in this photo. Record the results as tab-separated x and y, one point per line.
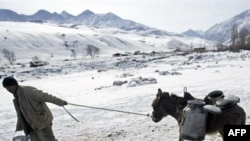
10	84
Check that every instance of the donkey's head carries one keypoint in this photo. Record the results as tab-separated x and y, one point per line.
165	104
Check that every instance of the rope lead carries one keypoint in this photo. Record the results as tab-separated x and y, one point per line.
147	115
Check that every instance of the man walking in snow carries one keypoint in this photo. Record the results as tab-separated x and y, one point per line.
33	115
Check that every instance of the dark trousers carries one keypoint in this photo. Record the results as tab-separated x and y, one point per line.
45	134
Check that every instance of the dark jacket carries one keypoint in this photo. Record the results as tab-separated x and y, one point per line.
33	108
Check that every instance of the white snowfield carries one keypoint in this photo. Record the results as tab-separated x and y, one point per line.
80	82
44	39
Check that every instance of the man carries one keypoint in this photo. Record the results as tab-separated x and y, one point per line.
33	115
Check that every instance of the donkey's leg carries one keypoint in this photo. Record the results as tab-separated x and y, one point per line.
221	131
180	137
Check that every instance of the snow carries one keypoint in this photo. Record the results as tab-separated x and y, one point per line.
82	82
45	40
212	71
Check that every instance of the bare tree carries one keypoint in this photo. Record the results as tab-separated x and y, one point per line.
92	50
73	45
9	55
242	35
73	53
221	47
36	59
37	62
234	35
191	46
248	39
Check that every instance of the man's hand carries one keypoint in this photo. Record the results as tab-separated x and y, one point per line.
65	103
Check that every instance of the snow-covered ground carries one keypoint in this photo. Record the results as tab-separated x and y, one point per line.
90	82
49	41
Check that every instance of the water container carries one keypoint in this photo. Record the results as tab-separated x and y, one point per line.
215	95
194	122
20	138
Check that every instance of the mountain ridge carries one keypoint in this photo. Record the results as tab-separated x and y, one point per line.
87	17
221	32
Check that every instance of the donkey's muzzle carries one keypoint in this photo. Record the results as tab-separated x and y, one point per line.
155	118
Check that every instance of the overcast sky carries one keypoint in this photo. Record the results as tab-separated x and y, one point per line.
169	15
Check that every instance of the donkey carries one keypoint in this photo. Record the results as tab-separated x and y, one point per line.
170	104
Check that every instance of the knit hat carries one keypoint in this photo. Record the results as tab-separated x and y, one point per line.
9	81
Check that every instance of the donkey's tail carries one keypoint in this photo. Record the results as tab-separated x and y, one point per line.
243	119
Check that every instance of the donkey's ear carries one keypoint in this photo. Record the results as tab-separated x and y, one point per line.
159	94
188	96
182	103
159	91
166	93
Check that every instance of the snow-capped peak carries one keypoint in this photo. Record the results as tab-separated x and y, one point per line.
222	31
87	17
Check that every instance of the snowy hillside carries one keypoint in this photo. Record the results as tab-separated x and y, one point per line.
222	31
193	33
49	41
126	83
91	82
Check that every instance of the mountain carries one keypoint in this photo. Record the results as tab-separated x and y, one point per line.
8	15
87	17
108	20
193	33
67	17
221	32
43	15
84	18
